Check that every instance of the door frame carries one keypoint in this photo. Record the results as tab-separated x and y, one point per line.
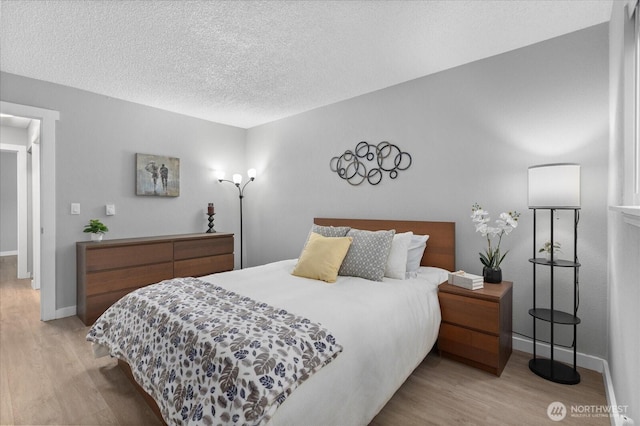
48	120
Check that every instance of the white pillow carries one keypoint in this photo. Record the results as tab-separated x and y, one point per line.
433	275
397	260
414	256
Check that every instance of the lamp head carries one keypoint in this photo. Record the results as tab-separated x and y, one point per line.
554	186
251	173
237	179
220	175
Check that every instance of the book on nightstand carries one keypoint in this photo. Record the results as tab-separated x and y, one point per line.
465	280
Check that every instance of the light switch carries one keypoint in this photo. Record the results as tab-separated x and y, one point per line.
111	209
75	208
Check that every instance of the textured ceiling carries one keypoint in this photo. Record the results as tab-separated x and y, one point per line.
246	63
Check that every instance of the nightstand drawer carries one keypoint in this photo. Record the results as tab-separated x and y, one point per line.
473	345
469	312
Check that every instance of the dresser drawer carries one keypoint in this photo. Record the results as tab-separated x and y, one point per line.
470	344
128	278
474	313
203	265
201	248
96	305
99	259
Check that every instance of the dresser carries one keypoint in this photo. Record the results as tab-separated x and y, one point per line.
109	269
476	325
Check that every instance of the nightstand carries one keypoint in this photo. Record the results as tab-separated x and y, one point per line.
476	325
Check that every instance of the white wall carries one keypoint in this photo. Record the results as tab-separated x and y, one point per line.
97	139
624	239
472	132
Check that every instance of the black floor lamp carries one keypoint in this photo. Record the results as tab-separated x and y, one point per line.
237	180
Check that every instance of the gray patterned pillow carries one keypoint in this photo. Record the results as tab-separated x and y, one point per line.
367	256
330	231
327	231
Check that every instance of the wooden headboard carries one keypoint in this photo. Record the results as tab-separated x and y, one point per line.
441	246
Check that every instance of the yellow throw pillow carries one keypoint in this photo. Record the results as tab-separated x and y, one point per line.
321	257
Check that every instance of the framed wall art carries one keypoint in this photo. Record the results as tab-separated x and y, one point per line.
157	175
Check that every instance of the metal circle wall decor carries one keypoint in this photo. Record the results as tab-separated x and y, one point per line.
369	162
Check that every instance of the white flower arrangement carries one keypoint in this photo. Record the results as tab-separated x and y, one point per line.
507	222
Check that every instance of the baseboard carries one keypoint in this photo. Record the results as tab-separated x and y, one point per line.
617	418
561	354
9	253
608	389
583	360
68	311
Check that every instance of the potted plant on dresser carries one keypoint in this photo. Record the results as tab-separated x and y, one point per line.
96	228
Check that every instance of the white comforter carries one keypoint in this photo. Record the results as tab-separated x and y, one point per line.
386	329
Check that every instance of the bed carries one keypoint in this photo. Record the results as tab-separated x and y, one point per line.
382	330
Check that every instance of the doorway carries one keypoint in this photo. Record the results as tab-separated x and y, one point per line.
15	200
43	173
20	156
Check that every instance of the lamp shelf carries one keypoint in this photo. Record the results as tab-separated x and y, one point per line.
559	263
559	317
555	371
551	369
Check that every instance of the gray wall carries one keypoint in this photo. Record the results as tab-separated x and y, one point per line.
472	132
96	142
624	239
8	201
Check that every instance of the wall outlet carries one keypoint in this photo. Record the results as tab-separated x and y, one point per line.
111	209
75	208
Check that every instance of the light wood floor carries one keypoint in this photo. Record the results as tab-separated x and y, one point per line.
48	376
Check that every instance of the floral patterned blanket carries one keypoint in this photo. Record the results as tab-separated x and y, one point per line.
210	356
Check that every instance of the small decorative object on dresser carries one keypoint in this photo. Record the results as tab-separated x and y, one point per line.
96	228
476	325
210	213
492	258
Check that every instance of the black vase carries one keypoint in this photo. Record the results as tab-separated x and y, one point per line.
492	275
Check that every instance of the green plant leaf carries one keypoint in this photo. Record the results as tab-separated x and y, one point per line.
95	227
502	258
